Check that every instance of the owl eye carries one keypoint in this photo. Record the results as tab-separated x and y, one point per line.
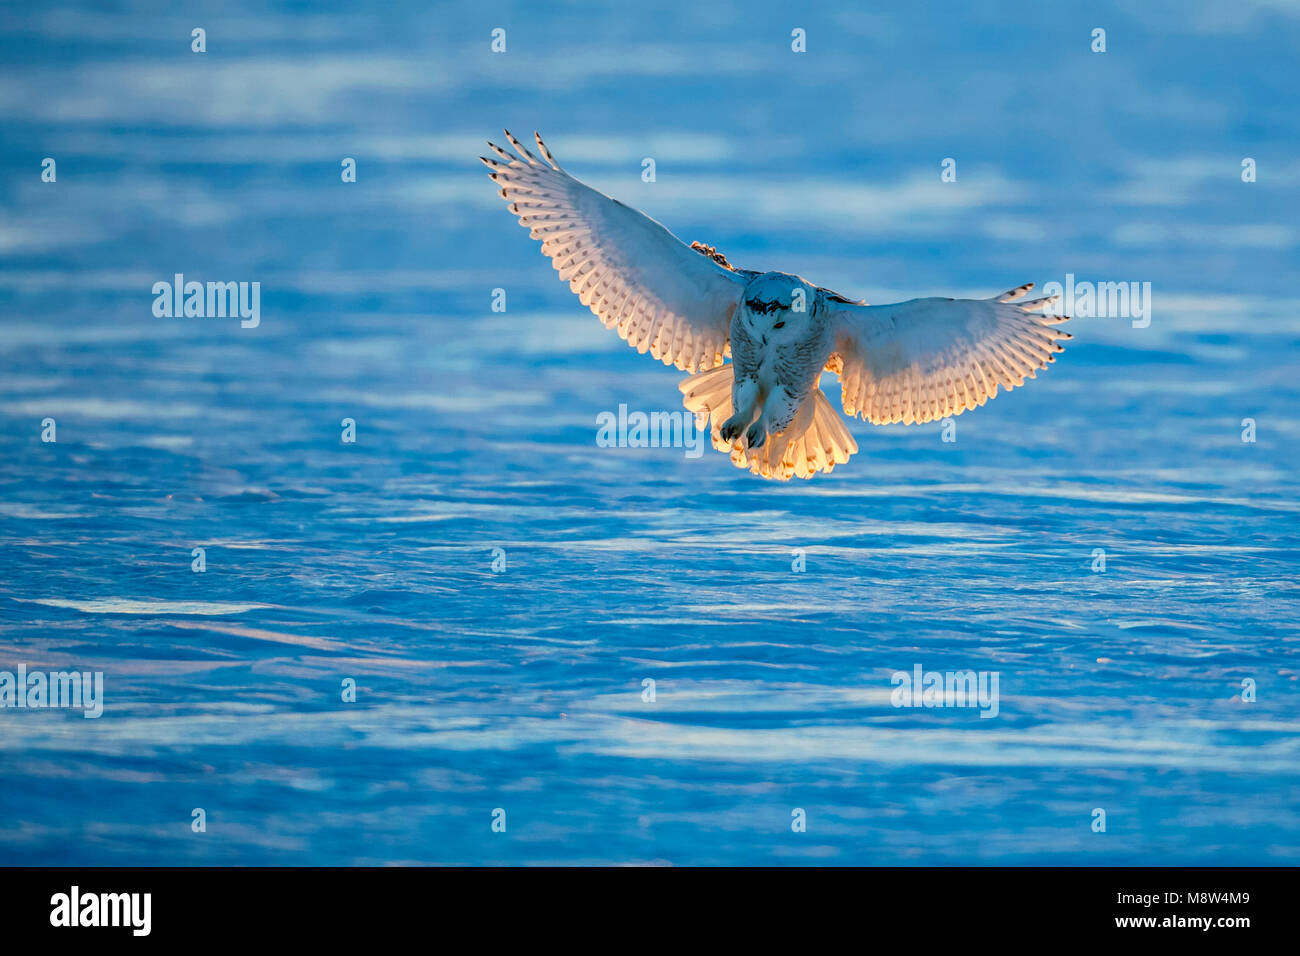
779	325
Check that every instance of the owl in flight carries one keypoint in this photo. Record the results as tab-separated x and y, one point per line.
911	362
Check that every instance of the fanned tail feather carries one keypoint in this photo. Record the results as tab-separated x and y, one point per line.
815	441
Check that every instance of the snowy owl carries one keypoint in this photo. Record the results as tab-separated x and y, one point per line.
911	362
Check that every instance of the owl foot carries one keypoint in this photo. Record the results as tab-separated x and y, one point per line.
756	436
732	428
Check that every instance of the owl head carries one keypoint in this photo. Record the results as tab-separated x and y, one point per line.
777	307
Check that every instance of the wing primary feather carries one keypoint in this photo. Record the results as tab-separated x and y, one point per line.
931	358
635	276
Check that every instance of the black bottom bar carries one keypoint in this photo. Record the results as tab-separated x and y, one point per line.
331	905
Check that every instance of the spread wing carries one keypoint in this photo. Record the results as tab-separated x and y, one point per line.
660	295
927	359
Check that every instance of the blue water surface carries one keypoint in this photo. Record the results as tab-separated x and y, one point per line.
498	585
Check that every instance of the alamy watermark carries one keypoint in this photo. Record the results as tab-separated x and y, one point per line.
676	429
77	690
922	688
1114	300
181	299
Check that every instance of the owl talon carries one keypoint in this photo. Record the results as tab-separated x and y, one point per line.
756	436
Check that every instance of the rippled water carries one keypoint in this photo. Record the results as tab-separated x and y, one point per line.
522	688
